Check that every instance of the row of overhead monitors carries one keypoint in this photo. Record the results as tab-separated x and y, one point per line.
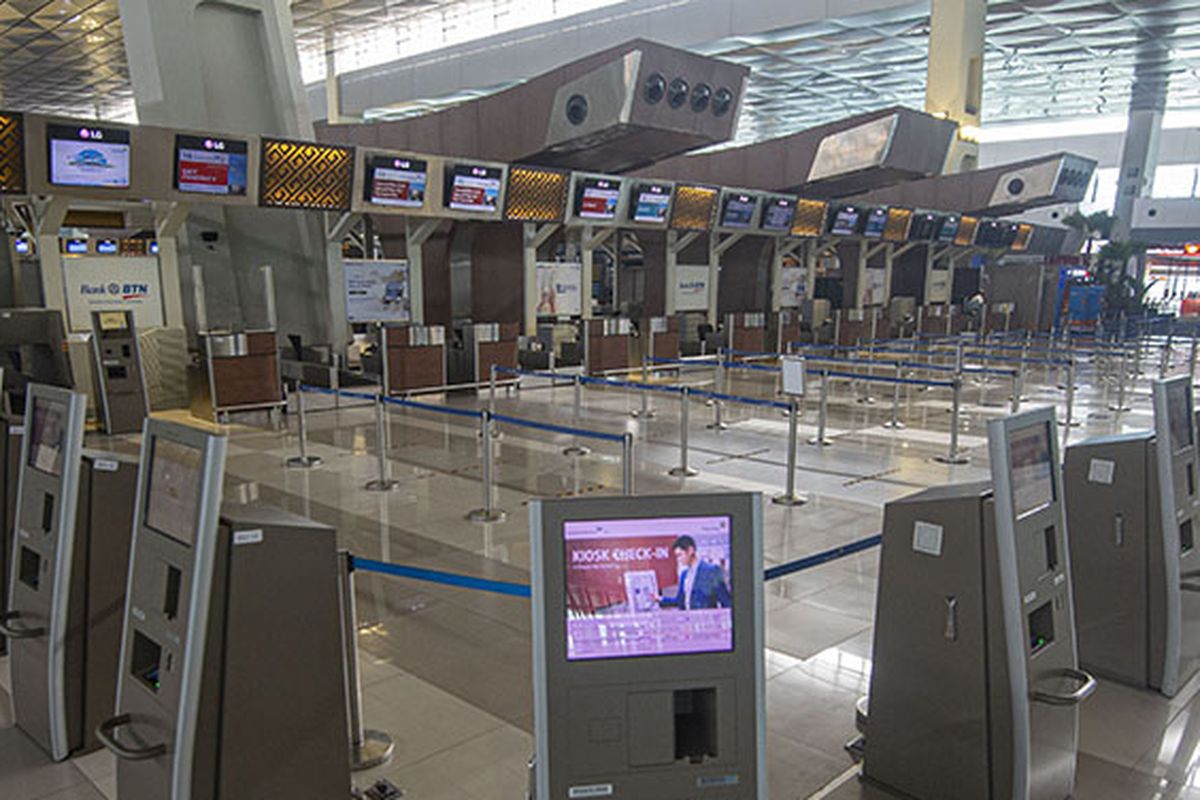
44	156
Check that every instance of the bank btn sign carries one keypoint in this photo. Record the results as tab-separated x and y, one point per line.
112	283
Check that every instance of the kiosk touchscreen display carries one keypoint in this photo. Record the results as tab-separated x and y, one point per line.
845	221
738	211
396	181
173	493
46	441
650	203
648	587
778	213
88	156
596	198
473	188
1032	468
1179	413
206	165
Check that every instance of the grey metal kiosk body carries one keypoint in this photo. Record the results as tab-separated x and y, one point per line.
12	430
1131	508
121	397
975	687
230	685
647	647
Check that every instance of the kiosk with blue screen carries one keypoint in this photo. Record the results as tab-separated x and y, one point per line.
647	636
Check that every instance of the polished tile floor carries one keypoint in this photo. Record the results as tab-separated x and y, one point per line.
446	671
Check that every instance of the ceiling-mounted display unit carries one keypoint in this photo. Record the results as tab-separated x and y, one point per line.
693	207
473	188
306	175
211	165
948	228
874	222
739	210
395	181
650	203
924	226
898	222
1024	236
996	233
778	214
809	221
596	199
846	220
12	153
536	194
967	228
88	156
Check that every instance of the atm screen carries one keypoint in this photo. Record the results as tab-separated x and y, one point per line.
1179	415
738	211
948	229
778	214
650	203
47	439
648	587
472	188
396	181
88	156
876	222
113	321
207	165
173	493
1032	468
596	198
845	221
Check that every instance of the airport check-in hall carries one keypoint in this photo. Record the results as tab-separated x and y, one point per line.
586	399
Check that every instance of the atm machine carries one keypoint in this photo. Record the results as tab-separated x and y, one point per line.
230	685
71	554
1131	510
117	364
975	686
648	647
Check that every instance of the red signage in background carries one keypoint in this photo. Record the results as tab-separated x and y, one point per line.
203	173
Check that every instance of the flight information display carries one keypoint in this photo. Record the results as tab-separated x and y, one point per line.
88	156
845	221
648	587
738	211
948	229
173	493
396	181
651	202
925	226
778	213
1032	468
876	223
47	439
208	165
473	188
596	198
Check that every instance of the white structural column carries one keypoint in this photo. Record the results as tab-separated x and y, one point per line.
415	235
1139	151
49	222
168	219
954	83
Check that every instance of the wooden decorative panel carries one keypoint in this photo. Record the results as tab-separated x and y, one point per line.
12	153
306	175
536	195
694	207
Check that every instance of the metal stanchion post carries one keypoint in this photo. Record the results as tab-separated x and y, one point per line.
683	470
789	497
867	398
488	512
1121	378
645	412
492	390
894	423
577	449
368	748
1015	400
304	460
1070	422
822	413
1192	357
718	421
953	456
1164	362
627	464
383	482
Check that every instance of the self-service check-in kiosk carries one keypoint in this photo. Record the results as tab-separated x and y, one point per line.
71	554
1131	509
975	684
12	430
647	647
117	364
229	686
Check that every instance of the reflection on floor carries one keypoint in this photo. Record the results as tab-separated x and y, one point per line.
446	671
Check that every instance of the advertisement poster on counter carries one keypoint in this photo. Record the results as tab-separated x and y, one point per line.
876	289
691	287
112	283
560	289
377	291
792	288
937	288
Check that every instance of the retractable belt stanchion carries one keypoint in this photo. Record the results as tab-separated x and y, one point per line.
383	482
368	748
645	412
953	456
488	512
575	448
1164	362
822	413
1070	421
627	464
492	398
718	421
1192	356
1121	378
304	460
894	423
684	470
1017	387
789	497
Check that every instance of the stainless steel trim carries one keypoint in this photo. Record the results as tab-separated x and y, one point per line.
541	688
1170	533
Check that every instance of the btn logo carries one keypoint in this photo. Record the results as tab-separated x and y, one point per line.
124	291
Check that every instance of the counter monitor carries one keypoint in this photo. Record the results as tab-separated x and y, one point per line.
1032	468
875	223
396	181
925	226
947	230
650	203
778	213
471	187
210	165
173	492
596	198
738	210
88	156
47	439
845	221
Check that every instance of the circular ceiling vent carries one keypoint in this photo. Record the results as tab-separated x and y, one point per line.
722	101
677	93
701	96
1016	186
577	109
654	89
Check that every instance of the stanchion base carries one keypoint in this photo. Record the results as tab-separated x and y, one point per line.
378	485
683	472
577	450
789	500
483	515
304	462
717	426
820	442
637	414
896	426
1119	409
866	401
376	749
952	459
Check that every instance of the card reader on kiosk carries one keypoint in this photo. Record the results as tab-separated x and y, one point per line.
648	647
121	398
231	683
1132	508
975	686
71	555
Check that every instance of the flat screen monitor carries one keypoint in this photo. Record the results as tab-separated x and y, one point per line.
1032	468
845	221
88	156
778	213
47	439
1179	415
173	492
738	210
210	165
75	247
596	198
472	187
106	247
876	223
650	203
648	587
112	320
989	233
925	226
398	182
948	228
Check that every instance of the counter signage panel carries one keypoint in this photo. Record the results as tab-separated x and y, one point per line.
845	221
208	165
778	213
876	223
88	156
739	210
651	202
473	188
596	198
396	181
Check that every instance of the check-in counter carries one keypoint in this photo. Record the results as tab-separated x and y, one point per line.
242	374
416	357
607	344
788	328
934	319
901	317
663	338
855	325
494	343
746	331
999	318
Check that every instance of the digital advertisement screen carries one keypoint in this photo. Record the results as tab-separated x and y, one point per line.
173	495
1179	415
473	188
1032	468
207	165
47	439
88	156
778	213
396	181
648	587
876	223
845	221
650	203
596	198
948	230
738	211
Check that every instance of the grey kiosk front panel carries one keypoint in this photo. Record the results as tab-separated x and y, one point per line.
12	430
976	685
121	397
231	684
1131	507
647	647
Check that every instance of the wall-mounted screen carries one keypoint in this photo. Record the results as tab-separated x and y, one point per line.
395	181
845	220
173	492
738	210
75	247
107	247
1179	415
651	202
778	213
648	587
596	198
88	156
1032	468
925	226
209	165
875	223
948	229
471	187
47	440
